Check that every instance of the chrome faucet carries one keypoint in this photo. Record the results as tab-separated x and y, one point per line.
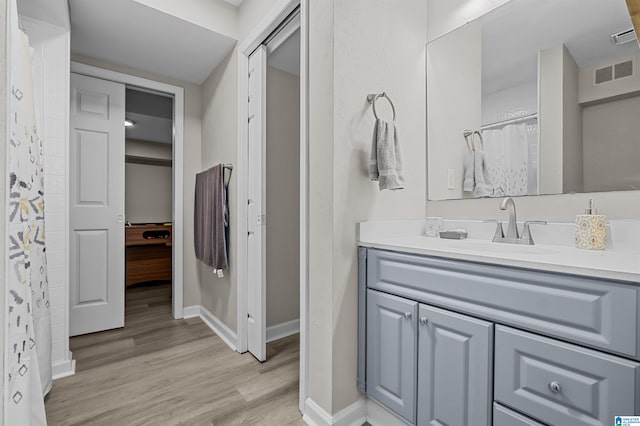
512	227
513	236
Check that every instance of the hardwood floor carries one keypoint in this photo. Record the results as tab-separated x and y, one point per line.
160	371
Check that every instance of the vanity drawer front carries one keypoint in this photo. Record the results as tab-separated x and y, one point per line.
593	312
562	384
502	416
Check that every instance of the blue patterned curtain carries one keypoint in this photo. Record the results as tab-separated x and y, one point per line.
28	319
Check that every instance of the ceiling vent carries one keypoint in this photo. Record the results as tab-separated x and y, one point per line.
613	72
623	37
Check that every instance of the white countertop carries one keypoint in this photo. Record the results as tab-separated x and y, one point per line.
612	264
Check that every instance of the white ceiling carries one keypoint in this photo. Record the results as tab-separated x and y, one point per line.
287	56
152	114
513	34
128	33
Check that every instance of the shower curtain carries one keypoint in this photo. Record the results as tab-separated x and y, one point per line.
508	150
28	317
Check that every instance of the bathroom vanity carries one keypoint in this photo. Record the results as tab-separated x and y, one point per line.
477	333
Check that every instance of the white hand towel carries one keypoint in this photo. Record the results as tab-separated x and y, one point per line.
468	163
481	175
386	162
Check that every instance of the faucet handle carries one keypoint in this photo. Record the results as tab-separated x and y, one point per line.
499	234
526	230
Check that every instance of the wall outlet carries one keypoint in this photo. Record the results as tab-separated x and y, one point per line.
451	181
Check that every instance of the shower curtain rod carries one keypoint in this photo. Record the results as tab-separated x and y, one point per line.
509	121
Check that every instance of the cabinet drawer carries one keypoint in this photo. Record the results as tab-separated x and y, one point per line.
562	384
502	416
588	311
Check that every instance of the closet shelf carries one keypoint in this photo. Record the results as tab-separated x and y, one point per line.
148	161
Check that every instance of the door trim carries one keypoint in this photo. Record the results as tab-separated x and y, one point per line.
177	285
269	23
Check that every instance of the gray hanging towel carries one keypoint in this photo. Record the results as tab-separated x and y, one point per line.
385	165
211	218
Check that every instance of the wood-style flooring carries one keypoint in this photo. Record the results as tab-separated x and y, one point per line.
160	371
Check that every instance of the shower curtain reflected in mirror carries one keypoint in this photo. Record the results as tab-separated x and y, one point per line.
512	158
28	317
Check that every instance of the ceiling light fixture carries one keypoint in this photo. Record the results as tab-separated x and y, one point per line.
128	122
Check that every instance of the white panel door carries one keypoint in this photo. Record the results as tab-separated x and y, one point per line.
97	205
256	244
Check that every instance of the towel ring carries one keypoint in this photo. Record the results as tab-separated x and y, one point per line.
372	98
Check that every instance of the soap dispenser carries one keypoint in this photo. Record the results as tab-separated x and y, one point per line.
591	229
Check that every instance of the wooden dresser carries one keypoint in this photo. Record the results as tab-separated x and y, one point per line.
148	253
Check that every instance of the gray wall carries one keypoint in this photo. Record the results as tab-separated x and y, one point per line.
572	179
348	59
148	188
283	197
220	136
148	195
611	150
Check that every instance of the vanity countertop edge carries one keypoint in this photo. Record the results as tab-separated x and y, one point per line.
608	264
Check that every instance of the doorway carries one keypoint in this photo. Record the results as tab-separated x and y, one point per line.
273	177
270	23
137	155
148	203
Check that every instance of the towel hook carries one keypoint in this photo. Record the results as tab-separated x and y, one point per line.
373	97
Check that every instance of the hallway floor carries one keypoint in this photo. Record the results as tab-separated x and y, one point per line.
160	371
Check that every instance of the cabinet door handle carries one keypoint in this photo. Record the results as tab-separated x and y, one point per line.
408	315
555	387
424	320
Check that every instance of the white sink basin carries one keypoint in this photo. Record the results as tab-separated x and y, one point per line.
491	247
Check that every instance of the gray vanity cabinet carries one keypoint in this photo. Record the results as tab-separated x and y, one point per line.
443	356
391	352
455	366
461	343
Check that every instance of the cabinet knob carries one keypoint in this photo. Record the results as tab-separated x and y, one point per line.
408	315
555	387
424	320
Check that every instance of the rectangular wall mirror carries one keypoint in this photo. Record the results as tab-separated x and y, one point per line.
535	97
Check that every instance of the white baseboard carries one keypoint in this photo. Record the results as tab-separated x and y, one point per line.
379	415
191	311
64	369
225	333
282	330
353	415
364	410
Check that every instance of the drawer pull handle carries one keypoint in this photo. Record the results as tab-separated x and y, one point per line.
408	315
555	387
424	320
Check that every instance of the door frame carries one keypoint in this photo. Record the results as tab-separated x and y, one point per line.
177	284
269	23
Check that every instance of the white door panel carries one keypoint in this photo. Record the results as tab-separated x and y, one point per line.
97	205
256	244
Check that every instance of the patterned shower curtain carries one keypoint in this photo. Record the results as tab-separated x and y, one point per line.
507	151
28	318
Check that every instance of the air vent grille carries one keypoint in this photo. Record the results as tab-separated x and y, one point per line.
623	69
613	72
604	74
